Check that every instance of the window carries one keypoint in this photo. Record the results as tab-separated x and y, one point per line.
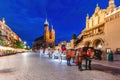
117	51
108	50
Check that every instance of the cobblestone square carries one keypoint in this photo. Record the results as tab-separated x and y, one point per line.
32	66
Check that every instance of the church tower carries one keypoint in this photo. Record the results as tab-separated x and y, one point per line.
111	5
49	35
53	34
46	30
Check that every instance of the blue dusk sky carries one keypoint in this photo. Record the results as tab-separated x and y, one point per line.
26	17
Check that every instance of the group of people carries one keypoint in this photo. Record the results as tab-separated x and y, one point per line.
78	56
52	53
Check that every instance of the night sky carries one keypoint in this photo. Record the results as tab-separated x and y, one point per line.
26	17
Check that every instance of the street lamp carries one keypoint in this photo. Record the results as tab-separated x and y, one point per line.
25	42
99	46
28	47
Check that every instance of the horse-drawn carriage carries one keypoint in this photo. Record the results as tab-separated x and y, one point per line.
97	52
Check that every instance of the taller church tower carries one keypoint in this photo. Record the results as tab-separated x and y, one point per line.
46	30
49	35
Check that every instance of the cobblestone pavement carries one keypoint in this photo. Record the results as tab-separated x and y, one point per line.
32	66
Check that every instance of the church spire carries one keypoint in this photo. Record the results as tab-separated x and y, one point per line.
46	22
3	20
87	17
97	5
52	28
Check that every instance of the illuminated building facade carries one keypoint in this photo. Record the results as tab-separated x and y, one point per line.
102	29
49	35
7	36
48	38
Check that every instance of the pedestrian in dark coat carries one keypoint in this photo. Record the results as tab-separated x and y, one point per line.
68	57
88	58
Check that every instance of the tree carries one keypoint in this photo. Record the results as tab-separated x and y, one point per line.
20	44
2	43
74	36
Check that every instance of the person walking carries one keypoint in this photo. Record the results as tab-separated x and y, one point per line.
110	55
60	55
53	54
72	53
80	58
68	57
41	51
76	56
49	52
88	57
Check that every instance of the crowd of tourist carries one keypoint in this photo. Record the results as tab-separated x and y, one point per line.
52	53
78	56
72	56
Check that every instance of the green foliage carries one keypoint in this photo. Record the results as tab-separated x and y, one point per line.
3	43
20	44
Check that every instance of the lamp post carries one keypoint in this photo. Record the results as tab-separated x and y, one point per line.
25	44
99	46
